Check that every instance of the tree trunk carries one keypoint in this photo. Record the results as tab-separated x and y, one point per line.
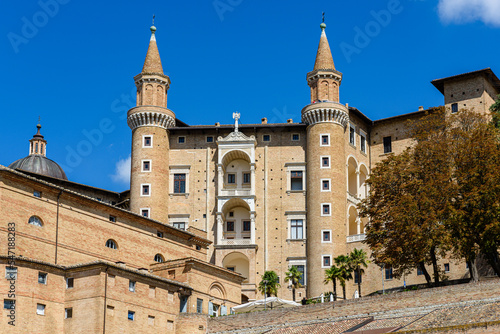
343	290
494	261
474	277
334	290
293	292
426	274
435	267
359	282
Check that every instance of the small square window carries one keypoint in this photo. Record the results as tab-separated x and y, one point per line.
131	286
210	139
266	138
70	281
112	219
327	261
325	209
11	273
145	213
246	178
198	247
325	185
131	315
325	162
204	215
231	178
326	236
446	267
295	137
454	108
68	313
231	213
147	141
181	140
325	140
9	304
37	194
40	309
159	234
42	278
146	190
146	165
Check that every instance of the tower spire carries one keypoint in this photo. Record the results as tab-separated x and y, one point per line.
324	59
38	143
152	64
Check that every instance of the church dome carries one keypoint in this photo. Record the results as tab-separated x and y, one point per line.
36	161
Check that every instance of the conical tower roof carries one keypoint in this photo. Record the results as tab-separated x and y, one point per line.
324	59
152	64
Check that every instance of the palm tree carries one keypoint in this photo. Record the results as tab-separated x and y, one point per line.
358	258
345	268
293	275
269	284
332	274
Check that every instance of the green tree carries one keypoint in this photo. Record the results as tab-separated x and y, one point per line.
344	265
269	284
333	274
495	113
293	275
358	258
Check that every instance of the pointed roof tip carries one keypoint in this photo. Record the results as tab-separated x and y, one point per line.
152	64
324	59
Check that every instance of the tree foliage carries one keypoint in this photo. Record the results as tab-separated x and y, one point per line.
293	275
269	284
344	264
495	113
358	259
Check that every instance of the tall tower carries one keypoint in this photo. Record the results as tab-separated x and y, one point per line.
149	122
326	168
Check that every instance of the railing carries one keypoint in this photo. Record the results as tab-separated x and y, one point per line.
356	237
235	242
236	192
352	198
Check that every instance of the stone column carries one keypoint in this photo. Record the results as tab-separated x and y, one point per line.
252	228
220	228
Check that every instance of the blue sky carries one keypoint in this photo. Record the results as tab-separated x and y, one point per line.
72	63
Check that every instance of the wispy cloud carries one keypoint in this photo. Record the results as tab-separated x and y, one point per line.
122	171
465	11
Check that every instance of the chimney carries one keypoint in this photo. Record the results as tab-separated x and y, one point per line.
264	120
289	120
217	124
420	108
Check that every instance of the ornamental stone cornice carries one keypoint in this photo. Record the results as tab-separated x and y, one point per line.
236	137
325	112
150	116
151	77
324	73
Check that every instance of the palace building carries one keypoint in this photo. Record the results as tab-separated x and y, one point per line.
209	210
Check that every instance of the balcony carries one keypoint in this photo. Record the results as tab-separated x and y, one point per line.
236	192
356	237
352	198
235	242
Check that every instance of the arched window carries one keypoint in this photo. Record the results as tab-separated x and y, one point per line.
159	258
34	220
111	244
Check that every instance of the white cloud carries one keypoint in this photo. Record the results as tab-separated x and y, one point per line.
464	11
122	171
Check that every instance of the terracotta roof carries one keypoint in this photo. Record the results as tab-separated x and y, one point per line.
152	64
487	72
324	59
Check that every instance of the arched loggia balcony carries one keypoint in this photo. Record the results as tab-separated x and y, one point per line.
236	223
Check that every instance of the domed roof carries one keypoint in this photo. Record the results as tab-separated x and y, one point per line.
37	163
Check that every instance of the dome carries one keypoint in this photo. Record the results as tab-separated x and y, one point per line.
37	163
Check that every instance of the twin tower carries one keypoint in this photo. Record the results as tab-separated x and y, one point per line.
327	119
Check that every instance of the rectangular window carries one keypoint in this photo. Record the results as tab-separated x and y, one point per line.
42	278
325	140
266	138
199	305
352	136
40	309
112	219
296	180
145	213
246	225
326	236
68	313
180	225
301	269
388	273
363	143
325	185
9	304
151	320
325	162
146	165
230	226
231	178
231	213
419	271
327	261
296	229
325	209
37	194
131	315
295	137
146	190
387	145
454	108
246	178
131	286
179	183
11	273
70	281
210	139
181	140
147	141
446	267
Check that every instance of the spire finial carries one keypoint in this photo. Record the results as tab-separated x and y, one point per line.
153	28
236	116
323	25
38	126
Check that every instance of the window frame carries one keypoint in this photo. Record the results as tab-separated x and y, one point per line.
68	284
329	185
323	241
68	313
132	285
142	210
297	227
37	194
143	170
159	257
146	186
245	175
180	185
268	138
40	221
323	205
323	257
363	142
387	146
302	263
131	315
352	134
11	273
454	108
181	139
211	139
233	178
11	303
40	309
301	180
327	135
244	223
42	278
388	273
199	305
322	165
144	141
111	244
295	134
